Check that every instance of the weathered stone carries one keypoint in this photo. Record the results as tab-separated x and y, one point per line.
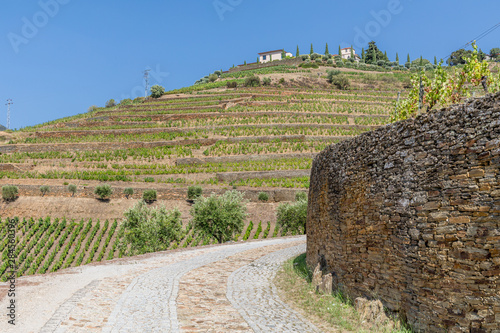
370	216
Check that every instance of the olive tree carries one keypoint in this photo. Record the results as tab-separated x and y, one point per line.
150	229
220	216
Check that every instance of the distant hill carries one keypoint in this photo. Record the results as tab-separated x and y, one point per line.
2	128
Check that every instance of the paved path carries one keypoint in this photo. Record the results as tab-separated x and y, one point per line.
217	289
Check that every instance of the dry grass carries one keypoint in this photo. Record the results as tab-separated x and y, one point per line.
330	313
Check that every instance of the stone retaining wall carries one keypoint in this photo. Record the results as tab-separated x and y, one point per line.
252	195
410	214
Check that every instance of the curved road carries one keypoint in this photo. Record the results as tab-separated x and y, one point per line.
224	288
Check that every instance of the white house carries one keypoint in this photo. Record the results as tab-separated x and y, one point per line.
272	55
346	53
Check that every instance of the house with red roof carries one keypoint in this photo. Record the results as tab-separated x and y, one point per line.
273	55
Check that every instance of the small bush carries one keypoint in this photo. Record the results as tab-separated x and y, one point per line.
292	217
331	74
157	91
9	192
103	191
44	189
315	56
218	72
309	65
194	192
330	62
110	103
300	196
252	81
92	108
282	80
341	82
149	180
72	189
149	195
128	192
266	81
304	57
213	77
138	100
126	101
232	84
263	196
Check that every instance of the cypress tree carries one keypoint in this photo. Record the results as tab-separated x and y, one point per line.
435	60
374	57
245	63
298	53
385	55
408	59
363	53
421	63
340	52
326	50
397	58
312	50
352	52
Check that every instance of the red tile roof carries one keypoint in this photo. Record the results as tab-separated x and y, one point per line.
282	50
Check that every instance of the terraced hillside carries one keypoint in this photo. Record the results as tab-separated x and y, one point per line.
254	139
257	137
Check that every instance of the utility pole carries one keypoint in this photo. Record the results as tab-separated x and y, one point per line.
146	78
9	103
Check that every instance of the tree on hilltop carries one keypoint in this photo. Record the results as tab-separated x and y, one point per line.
326	50
312	49
297	54
373	54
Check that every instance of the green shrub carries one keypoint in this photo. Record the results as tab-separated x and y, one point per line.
315	56
263	196
330	62
128	192
138	100
110	103
9	192
92	108
341	82
103	191
149	180
149	196
282	80
126	101
194	192
232	84
72	189
266	81
304	57
300	196
44	189
252	81
157	91
221	216
292	217
213	77
331	74
151	229
218	72
309	65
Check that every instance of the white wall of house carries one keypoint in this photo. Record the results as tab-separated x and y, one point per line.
346	53
270	56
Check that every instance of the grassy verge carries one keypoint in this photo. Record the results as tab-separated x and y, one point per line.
330	313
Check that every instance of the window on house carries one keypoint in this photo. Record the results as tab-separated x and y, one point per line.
264	57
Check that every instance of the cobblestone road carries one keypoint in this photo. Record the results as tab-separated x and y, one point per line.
217	289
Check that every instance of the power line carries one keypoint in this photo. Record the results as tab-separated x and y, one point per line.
9	103
479	37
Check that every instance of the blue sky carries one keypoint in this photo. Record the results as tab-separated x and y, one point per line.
58	57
